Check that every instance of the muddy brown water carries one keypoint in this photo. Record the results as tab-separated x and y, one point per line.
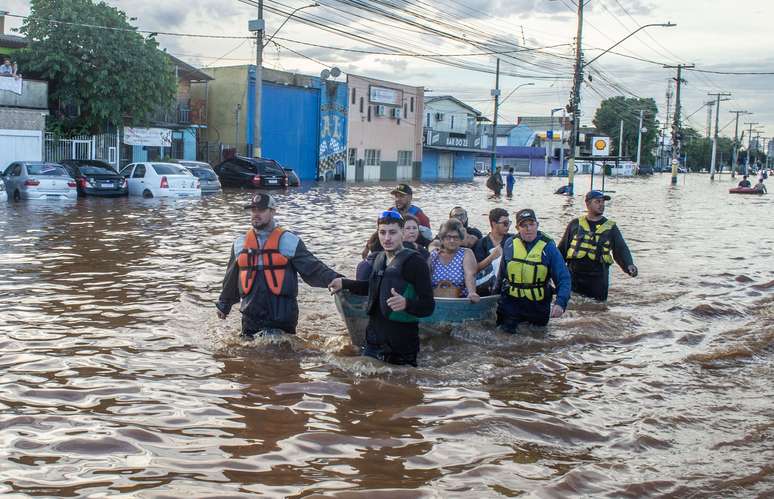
118	380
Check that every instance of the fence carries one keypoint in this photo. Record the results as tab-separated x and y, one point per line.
103	147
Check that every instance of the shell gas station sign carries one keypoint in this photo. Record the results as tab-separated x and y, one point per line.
600	146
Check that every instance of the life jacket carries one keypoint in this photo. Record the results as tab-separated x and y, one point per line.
273	262
386	277
592	245
527	276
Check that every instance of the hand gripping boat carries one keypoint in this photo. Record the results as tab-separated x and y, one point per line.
744	190
352	309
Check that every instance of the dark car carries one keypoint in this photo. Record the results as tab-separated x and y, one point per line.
251	173
204	172
95	178
293	180
645	170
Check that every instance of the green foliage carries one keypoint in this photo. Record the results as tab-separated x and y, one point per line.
699	151
105	74
608	118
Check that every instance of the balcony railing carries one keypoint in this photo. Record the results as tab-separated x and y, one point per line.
182	114
34	93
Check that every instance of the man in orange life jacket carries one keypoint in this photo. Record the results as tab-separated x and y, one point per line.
263	273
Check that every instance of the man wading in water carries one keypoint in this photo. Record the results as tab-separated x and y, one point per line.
263	273
399	292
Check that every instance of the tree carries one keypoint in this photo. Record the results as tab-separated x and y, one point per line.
698	150
607	119
106	74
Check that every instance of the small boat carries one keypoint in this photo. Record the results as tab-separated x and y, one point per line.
744	190
352	309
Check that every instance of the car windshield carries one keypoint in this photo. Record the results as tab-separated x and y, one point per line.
96	170
166	169
47	169
272	169
204	173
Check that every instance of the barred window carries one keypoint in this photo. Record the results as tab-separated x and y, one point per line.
373	157
404	158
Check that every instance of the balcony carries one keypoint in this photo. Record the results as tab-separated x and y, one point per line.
34	93
181	114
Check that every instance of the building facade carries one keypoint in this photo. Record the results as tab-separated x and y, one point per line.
303	119
384	130
452	139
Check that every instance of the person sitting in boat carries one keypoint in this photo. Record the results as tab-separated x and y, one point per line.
745	182
530	261
402	196
759	187
473	234
373	247
399	292
452	267
489	250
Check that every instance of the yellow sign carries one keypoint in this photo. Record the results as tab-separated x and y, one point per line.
600	146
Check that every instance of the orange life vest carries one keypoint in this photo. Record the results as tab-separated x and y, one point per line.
274	262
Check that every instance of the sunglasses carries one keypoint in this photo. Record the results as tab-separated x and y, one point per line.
390	214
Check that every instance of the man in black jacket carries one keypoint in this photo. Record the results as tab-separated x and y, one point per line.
399	292
263	273
590	245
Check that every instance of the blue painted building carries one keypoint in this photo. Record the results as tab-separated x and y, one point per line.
451	139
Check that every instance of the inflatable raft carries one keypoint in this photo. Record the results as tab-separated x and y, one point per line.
352	309
744	190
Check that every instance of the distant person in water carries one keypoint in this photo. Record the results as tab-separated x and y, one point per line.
495	182
510	181
745	182
759	187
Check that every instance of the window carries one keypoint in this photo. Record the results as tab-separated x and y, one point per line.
46	169
404	158
361	104
373	157
452	122
412	104
405	109
354	96
164	169
139	172
16	171
427	122
126	171
352	156
369	113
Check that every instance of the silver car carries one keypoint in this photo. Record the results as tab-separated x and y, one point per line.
38	180
204	172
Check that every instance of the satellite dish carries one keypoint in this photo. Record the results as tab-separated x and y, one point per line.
335	72
324	74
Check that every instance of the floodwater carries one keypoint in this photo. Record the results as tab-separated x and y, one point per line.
118	380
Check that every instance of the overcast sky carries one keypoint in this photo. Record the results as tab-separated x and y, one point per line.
716	35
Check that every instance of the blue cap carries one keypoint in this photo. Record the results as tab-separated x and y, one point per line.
597	194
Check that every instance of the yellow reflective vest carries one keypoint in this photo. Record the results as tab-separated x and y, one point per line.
594	245
527	276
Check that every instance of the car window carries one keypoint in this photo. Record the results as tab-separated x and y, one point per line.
96	170
272	169
139	172
204	173
165	169
47	169
127	171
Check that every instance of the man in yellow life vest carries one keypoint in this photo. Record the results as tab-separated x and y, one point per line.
263	273
529	264
591	243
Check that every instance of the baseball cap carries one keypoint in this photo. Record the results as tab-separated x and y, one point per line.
597	194
262	202
403	189
525	214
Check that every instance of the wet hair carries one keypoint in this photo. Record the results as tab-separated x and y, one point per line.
452	225
496	214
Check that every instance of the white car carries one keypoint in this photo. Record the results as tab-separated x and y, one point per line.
152	179
3	194
38	180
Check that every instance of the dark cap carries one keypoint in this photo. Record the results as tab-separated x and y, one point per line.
597	194
403	189
525	214
262	202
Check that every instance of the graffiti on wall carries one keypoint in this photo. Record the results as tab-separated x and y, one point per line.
333	130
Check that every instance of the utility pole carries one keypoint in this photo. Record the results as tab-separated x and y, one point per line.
669	95
735	156
258	26
574	106
676	132
715	137
639	137
620	142
496	95
749	146
708	128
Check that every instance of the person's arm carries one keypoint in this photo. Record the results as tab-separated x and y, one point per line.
314	272
229	294
417	272
502	275
564	244
560	275
423	219
494	254
470	267
621	253
355	287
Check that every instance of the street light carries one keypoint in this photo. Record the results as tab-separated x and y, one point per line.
663	25
288	19
514	91
550	141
